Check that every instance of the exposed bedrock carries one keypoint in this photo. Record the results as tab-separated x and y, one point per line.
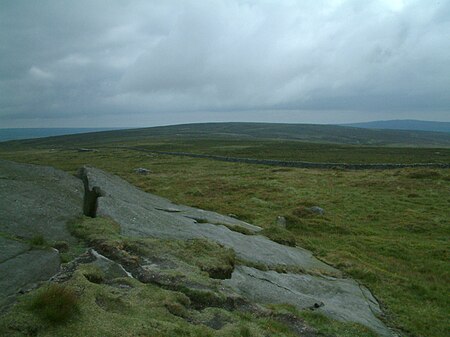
341	299
37	200
141	214
35	203
21	271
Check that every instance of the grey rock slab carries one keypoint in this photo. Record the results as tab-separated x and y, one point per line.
24	271
341	299
217	219
259	249
11	248
140	214
38	200
34	200
112	186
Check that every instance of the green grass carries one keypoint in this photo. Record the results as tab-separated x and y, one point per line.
388	229
289	150
325	325
141	310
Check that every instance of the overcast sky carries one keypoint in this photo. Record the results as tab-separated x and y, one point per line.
142	63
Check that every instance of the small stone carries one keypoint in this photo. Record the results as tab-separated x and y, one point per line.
231	215
141	170
281	221
317	210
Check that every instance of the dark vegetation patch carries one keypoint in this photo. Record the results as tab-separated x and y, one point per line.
61	246
304	211
55	303
38	240
424	174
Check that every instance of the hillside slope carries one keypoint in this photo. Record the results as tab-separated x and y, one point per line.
303	132
404	124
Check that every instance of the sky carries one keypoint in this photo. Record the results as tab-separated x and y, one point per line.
114	63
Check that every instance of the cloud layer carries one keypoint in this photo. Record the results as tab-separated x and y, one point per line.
154	62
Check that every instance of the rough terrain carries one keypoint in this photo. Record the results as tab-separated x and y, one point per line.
39	201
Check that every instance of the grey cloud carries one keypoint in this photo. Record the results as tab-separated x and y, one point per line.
64	60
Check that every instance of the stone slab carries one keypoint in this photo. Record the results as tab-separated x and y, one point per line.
38	200
338	298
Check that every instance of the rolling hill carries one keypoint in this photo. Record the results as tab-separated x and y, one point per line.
302	132
405	124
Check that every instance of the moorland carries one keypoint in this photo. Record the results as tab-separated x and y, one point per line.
388	229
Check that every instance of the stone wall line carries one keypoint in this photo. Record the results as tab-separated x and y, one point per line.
298	164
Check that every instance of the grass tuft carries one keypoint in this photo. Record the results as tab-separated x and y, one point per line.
38	240
55	303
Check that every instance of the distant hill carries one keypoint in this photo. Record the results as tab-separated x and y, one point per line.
28	133
405	124
303	132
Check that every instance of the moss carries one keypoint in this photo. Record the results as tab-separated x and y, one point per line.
93	273
210	257
92	229
213	258
74	250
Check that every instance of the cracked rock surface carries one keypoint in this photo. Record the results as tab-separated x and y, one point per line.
341	299
35	201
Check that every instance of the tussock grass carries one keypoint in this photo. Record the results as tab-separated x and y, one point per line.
55	303
38	240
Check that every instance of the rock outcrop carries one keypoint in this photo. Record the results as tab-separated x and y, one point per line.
41	200
36	202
